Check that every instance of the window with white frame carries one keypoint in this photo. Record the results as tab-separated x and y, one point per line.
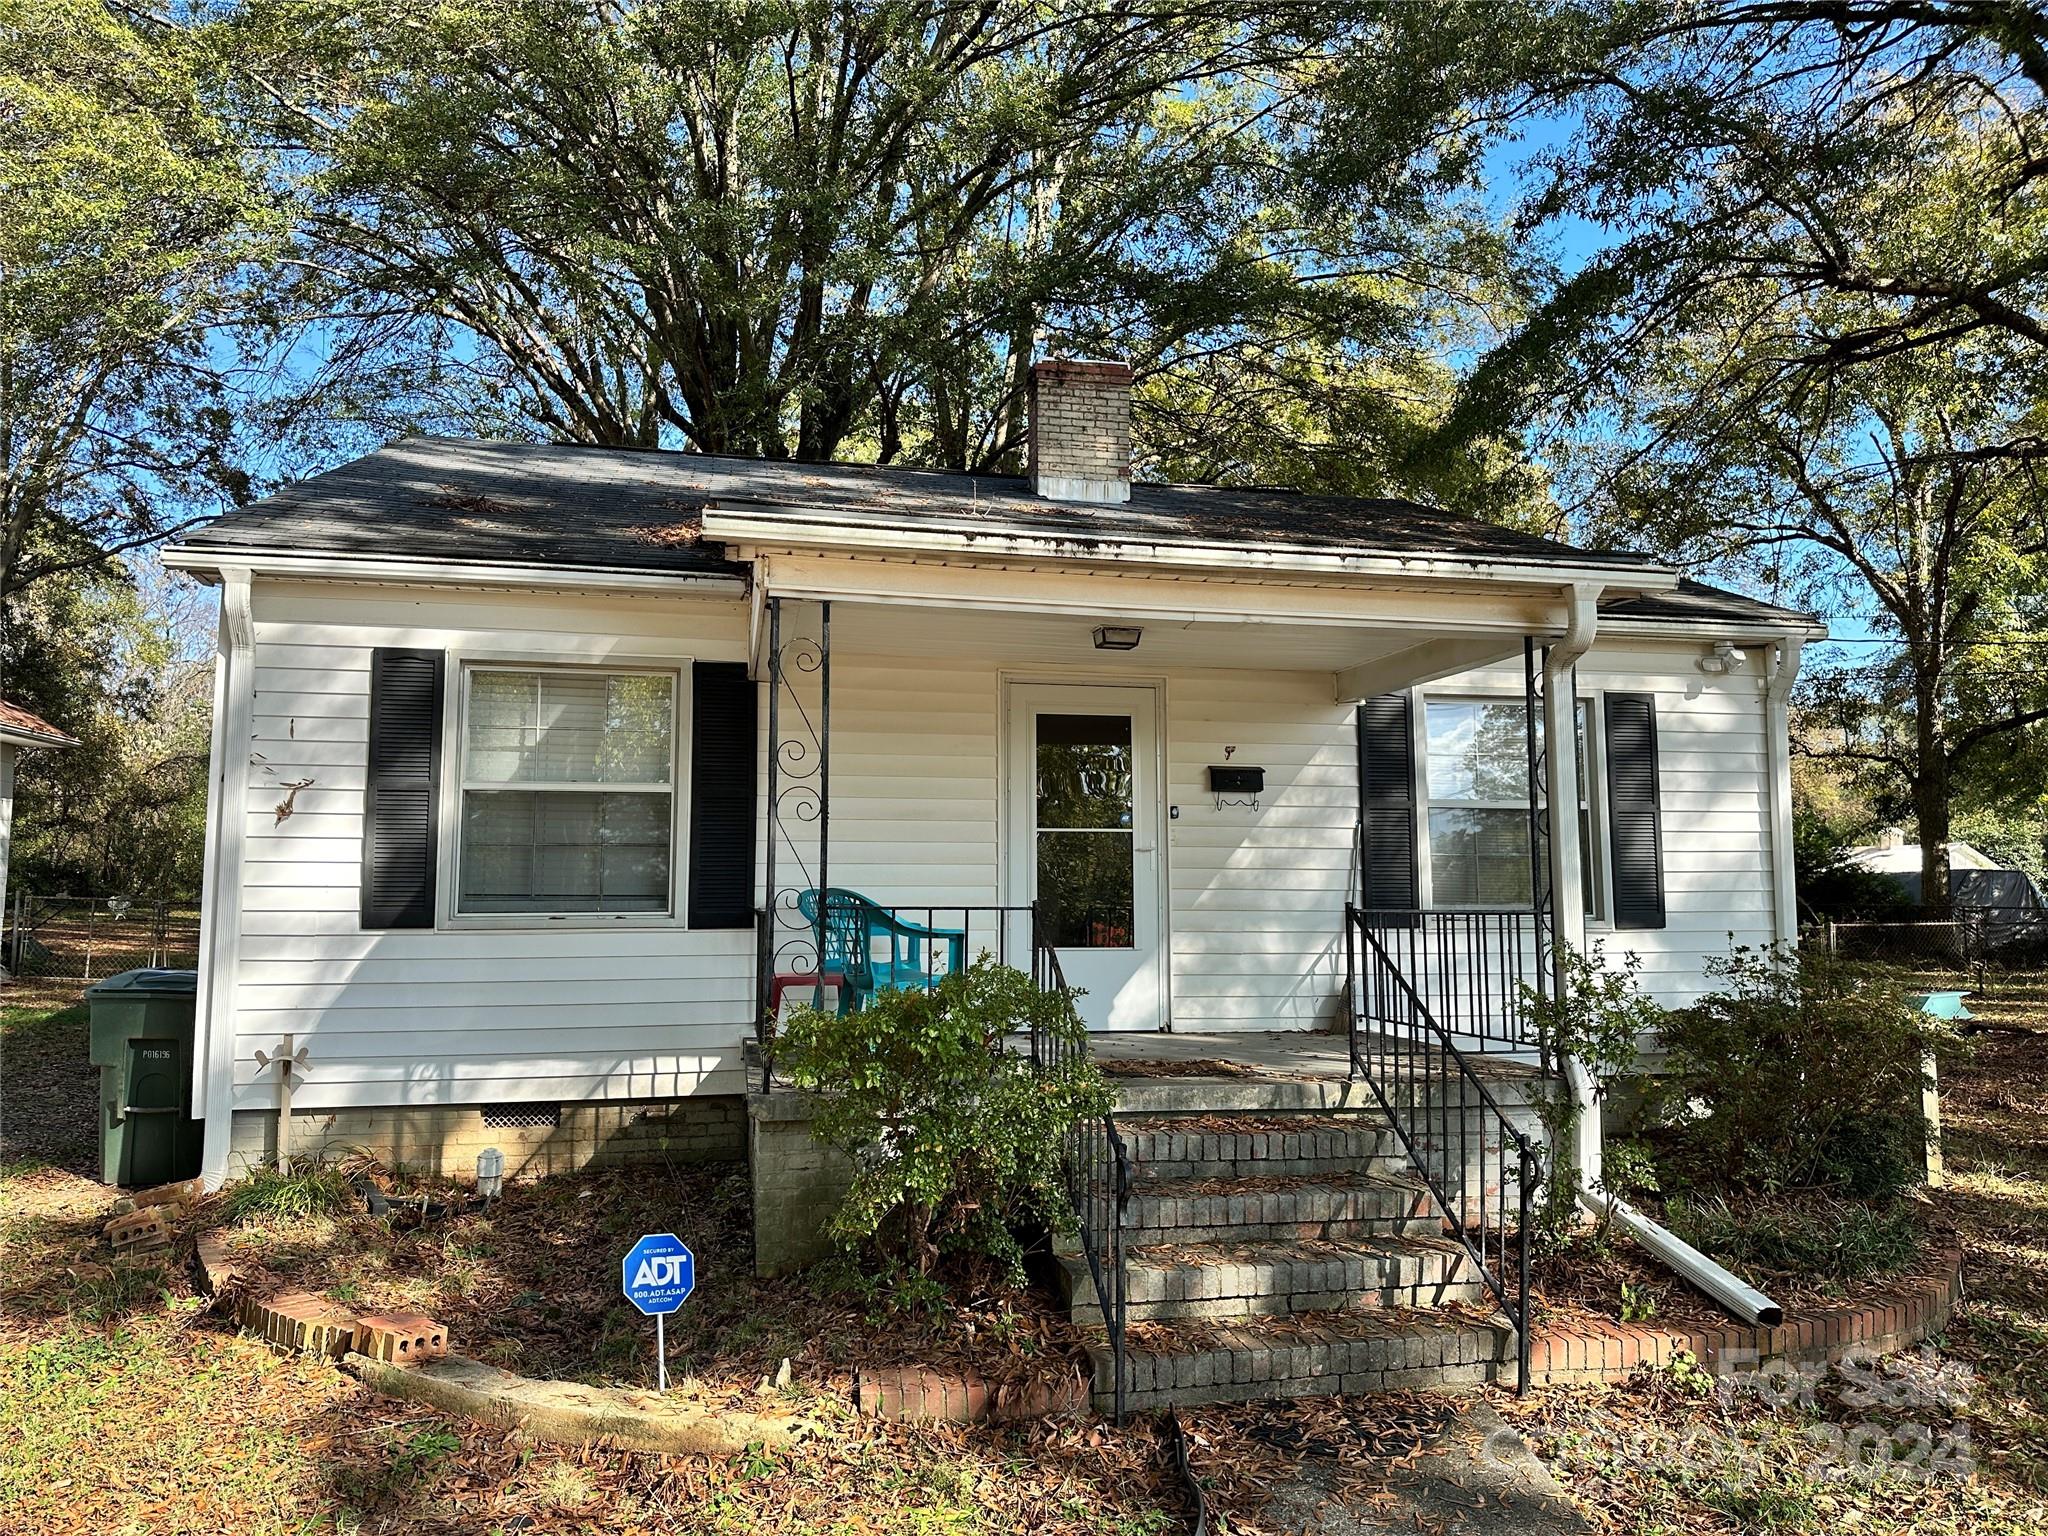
568	791
1476	811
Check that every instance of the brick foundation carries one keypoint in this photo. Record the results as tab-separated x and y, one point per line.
797	1183
446	1138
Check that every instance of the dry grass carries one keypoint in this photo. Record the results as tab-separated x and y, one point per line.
130	1408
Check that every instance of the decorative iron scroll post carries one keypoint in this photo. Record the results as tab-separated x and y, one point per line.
799	798
1542	876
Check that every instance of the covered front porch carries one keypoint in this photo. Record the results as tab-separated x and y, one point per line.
1202	821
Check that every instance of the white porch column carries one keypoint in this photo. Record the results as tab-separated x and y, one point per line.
1561	779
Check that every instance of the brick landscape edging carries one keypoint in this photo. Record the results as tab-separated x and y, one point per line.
916	1394
405	1355
1896	1316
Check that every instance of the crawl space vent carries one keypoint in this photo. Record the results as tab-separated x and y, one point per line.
501	1117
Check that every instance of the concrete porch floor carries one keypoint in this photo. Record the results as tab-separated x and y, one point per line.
1279	1053
1267	1070
1286	1052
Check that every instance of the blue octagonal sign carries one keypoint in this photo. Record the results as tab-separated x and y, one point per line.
659	1273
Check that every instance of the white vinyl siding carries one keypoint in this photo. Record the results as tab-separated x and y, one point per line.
475	1015
1254	897
1258	895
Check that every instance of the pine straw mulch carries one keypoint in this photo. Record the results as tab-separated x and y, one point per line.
531	1282
1199	1066
1242	1452
132	1407
1952	1438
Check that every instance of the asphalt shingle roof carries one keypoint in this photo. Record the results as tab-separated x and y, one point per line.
1696	602
528	504
18	724
426	498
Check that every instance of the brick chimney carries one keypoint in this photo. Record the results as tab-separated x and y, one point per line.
1081	430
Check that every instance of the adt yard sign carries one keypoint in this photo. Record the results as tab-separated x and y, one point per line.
658	1274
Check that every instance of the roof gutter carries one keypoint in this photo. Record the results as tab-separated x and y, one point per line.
1755	631
22	736
796	528
216	563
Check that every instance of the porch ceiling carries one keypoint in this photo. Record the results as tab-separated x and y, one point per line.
1362	660
1069	641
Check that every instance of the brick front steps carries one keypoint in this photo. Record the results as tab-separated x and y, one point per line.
1277	1244
1283	1208
1240	1279
1252	1358
1174	1149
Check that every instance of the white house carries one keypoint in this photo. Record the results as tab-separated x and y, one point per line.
527	759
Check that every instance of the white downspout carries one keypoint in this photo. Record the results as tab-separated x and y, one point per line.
1735	1294
1561	777
1781	671
227	818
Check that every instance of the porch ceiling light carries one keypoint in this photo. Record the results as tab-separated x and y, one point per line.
1118	637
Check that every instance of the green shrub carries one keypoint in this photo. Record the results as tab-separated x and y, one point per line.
1596	1018
1814	1238
954	1138
1803	1072
307	1188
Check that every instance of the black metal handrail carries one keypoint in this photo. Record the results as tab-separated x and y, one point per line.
1098	1172
1468	966
1428	1089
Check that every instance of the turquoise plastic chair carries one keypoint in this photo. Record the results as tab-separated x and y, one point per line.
852	928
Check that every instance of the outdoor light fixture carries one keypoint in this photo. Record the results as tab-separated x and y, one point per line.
1723	658
1118	637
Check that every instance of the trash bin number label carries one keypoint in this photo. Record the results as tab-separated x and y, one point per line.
659	1273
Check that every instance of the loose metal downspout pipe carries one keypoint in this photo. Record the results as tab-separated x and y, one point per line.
1737	1295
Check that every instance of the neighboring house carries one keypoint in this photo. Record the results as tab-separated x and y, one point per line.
516	741
19	730
2006	901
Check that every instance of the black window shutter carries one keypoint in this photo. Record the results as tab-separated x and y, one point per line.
1635	820
402	794
1386	779
723	751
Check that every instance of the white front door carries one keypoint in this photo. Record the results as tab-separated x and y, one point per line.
1084	841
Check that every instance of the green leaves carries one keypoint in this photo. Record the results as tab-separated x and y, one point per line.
825	231
132	227
1799	1071
954	1138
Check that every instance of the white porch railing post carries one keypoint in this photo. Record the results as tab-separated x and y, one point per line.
1567	896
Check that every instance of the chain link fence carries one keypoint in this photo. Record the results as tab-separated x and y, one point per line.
2007	938
89	938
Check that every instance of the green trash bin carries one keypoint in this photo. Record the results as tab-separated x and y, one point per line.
142	1031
